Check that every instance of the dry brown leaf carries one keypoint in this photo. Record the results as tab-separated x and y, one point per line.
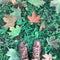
19	4
34	18
14	1
47	57
42	26
9	20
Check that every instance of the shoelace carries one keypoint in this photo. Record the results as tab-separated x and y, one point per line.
36	52
24	54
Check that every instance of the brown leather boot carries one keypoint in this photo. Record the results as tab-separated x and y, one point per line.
36	50
23	51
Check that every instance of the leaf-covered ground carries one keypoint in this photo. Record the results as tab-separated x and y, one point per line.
16	26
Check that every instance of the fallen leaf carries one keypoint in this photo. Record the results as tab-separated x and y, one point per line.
10	21
47	57
21	5
56	3
36	3
13	55
42	25
4	1
16	13
53	42
14	31
14	1
34	18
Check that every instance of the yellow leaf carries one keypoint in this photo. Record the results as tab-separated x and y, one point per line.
9	20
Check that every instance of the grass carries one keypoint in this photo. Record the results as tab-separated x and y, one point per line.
29	32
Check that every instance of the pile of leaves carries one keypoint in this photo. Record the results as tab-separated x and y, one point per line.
29	20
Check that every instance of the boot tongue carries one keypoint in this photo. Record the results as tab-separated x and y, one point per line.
36	44
22	44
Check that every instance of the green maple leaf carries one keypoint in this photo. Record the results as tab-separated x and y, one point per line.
14	31
12	53
16	13
36	3
56	3
53	42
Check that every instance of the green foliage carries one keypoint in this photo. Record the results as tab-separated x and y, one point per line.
36	3
53	42
3	30
14	31
16	13
4	1
56	3
12	54
18	0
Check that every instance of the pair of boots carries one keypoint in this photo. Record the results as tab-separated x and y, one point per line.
36	50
